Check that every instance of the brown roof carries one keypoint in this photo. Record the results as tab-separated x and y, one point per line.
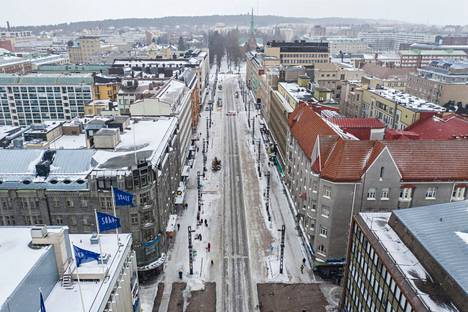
383	72
306	125
431	160
348	160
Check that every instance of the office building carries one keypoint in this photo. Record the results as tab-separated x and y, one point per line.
420	58
298	52
85	49
38	259
64	183
396	109
34	98
441	82
408	260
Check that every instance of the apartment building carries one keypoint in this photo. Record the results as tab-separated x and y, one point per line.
391	41
85	49
34	98
173	99
279	114
441	82
419	58
40	260
351	99
396	109
298	52
67	182
332	176
408	260
333	76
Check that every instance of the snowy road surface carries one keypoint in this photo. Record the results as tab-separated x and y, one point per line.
244	244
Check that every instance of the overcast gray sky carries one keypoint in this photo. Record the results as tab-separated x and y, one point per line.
33	12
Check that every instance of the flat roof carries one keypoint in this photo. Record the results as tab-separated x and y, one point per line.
411	102
46	79
299	93
433	52
16	258
409	266
93	292
443	232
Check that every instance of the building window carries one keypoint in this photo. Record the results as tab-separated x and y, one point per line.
314	187
134	218
69	203
385	194
322	249
325	211
371	194
327	192
106	203
323	231
431	193
84	203
381	172
59	220
458	193
405	193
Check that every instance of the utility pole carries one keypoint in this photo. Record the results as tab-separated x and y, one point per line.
190	248
204	157
267	195
259	159
248	114
199	189
253	130
211	109
283	230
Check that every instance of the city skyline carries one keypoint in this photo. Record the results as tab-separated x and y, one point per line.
51	12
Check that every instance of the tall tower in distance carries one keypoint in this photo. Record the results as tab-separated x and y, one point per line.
252	42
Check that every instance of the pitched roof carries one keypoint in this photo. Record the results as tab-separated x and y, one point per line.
367	123
441	128
430	160
306	126
348	160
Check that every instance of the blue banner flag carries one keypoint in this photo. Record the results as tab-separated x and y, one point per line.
83	255
42	303
122	198
107	222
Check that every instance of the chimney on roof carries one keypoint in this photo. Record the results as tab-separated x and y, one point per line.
8	25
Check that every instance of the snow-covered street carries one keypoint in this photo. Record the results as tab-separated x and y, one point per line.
244	245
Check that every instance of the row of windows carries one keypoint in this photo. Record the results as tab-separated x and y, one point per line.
306	61
370	287
44	89
304	55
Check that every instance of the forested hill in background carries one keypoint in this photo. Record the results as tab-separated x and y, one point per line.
170	21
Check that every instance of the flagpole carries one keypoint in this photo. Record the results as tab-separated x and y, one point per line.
99	237
115	215
79	288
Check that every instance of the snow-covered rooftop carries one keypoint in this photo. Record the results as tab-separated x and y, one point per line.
94	292
299	93
411	102
404	259
16	258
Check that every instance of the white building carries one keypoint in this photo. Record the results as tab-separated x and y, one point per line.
174	99
34	98
34	259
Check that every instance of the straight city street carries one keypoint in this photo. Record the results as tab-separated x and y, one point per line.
244	245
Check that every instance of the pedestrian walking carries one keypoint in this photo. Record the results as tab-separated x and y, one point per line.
206	222
302	268
178	226
303	261
199	236
209	247
211	262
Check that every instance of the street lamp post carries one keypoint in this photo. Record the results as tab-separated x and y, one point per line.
282	230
